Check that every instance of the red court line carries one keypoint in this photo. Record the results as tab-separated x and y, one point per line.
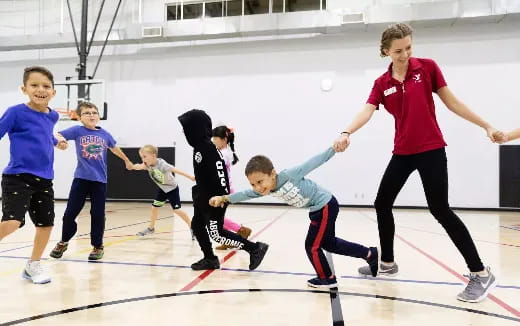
460	277
451	271
205	274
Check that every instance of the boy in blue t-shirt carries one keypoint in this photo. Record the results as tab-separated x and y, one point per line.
27	179
292	187
90	178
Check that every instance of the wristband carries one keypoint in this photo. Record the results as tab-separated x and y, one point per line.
346	132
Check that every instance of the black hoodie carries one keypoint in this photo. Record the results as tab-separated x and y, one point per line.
208	163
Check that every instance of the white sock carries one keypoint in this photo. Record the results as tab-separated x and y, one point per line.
483	273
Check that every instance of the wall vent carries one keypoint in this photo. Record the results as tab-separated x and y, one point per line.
152	31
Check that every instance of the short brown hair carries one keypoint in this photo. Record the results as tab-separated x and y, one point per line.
42	70
85	104
393	32
149	149
259	163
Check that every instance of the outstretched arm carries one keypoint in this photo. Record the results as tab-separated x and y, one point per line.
503	137
184	174
119	153
463	111
363	116
512	135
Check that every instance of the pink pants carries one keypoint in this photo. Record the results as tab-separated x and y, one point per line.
230	225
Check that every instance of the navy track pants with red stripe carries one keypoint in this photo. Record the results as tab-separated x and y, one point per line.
322	235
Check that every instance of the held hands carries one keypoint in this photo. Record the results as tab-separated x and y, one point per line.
129	165
341	143
493	134
217	201
62	142
500	137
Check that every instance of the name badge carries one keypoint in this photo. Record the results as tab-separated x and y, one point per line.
390	91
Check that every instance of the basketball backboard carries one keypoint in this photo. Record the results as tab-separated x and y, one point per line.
69	93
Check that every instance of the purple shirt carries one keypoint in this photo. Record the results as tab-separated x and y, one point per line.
32	140
91	150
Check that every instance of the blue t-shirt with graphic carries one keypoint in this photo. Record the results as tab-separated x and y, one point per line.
91	150
293	188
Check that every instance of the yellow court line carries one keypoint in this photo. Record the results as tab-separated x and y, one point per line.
77	253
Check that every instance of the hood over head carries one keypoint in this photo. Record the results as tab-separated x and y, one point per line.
197	126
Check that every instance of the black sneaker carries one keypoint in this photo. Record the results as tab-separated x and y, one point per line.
374	260
325	283
257	255
206	264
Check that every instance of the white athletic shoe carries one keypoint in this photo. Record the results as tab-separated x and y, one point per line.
33	271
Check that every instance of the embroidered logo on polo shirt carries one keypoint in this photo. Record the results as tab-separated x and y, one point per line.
417	78
390	91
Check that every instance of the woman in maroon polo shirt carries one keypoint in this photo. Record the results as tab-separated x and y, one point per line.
406	90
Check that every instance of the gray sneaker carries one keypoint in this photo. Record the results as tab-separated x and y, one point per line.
478	287
146	232
384	270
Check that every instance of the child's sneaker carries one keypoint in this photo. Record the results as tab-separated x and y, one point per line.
96	253
33	271
257	255
324	283
223	247
146	232
206	264
374	260
244	232
384	270
58	251
478	287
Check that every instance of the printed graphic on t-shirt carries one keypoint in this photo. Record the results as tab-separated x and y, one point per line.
92	147
198	157
158	176
291	195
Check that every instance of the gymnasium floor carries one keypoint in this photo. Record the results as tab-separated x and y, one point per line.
149	281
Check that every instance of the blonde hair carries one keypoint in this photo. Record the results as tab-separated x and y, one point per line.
393	32
149	149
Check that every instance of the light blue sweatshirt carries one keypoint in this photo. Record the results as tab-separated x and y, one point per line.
293	188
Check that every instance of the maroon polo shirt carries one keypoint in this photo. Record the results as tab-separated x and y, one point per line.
411	104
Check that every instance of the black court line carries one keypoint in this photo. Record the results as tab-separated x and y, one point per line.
178	294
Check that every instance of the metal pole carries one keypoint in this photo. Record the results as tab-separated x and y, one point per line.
82	67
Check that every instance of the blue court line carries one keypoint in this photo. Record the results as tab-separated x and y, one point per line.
514	287
510	227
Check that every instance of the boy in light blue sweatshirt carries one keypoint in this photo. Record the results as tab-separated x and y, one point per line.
292	187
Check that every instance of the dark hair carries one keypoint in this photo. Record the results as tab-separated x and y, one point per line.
393	32
42	70
259	163
225	132
85	104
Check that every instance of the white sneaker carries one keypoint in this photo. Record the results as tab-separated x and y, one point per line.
33	271
145	232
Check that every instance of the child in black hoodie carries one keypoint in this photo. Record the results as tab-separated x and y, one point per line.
212	179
